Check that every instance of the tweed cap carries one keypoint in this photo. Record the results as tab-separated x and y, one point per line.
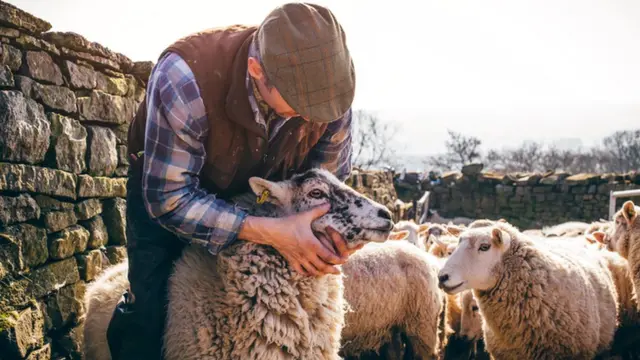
305	56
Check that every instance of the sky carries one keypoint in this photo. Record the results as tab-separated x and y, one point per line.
505	71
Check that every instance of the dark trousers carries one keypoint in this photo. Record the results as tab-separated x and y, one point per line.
137	324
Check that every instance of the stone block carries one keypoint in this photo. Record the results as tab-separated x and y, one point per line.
121	171
66	306
122	133
98	232
52	276
39	65
25	131
142	70
18	208
69	241
89	264
21	332
12	16
472	169
32	242
55	221
73	342
101	187
79	77
582	179
28	42
53	97
88	209
102	107
69	140
10	254
11	57
94	60
9	33
123	158
116	254
112	85
115	212
79	43
44	353
102	154
6	77
47	203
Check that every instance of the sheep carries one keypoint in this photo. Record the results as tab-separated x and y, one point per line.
414	230
624	238
391	288
432	216
247	302
537	302
571	228
601	225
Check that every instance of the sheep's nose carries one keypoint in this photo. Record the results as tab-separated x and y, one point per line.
385	214
443	278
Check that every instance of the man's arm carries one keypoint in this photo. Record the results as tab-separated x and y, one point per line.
176	132
333	150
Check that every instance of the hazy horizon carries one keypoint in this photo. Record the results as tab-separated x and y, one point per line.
503	71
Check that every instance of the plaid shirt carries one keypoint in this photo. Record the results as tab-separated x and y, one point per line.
174	153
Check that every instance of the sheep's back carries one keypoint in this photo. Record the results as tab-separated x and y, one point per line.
405	294
247	303
551	301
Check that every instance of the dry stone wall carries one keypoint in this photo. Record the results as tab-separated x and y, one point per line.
65	106
527	200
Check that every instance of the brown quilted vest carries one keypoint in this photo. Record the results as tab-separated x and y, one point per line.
237	146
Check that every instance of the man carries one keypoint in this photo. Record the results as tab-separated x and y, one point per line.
221	106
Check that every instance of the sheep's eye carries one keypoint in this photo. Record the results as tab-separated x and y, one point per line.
484	247
474	308
316	194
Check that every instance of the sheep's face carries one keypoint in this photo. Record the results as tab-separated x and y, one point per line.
442	247
357	218
470	317
472	263
625	224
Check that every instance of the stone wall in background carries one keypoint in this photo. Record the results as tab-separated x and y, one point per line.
377	185
65	105
526	200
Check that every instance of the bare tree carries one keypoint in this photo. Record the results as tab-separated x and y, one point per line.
461	150
372	141
622	150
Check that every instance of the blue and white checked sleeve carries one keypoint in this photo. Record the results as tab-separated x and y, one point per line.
174	154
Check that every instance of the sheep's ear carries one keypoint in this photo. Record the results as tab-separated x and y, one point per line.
598	236
497	236
454	230
423	227
629	211
273	192
399	235
590	238
502	220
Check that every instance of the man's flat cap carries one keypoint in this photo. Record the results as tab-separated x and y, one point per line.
305	56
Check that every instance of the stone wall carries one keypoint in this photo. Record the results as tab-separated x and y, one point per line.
527	200
65	104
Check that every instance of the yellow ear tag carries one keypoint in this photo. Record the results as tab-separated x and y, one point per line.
263	197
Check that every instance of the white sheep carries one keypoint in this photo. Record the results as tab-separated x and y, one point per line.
569	228
247	302
537	302
432	216
624	238
414	230
391	287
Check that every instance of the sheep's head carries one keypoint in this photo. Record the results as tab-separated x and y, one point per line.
442	246
357	218
626	228
472	263
470	317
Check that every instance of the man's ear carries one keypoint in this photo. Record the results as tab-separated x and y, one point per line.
273	192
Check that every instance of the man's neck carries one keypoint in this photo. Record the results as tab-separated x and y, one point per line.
267	112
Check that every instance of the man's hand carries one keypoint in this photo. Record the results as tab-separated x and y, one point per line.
293	238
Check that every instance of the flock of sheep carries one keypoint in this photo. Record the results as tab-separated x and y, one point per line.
473	289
